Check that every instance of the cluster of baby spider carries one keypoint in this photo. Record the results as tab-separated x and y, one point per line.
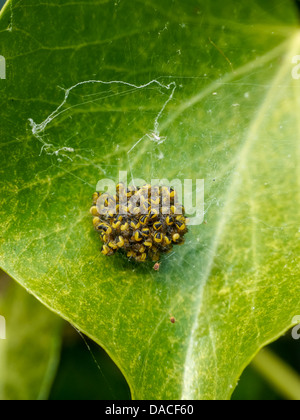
144	222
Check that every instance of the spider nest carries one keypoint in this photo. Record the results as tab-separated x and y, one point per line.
143	222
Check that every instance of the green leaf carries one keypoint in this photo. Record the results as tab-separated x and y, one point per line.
215	82
29	356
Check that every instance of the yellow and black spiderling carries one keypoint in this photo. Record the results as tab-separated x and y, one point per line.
146	232
158	238
144	223
157	225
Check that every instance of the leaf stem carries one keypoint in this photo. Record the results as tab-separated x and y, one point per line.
278	374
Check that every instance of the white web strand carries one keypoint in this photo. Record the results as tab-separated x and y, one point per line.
94	359
154	135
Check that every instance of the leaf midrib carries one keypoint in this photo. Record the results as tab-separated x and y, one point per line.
240	159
